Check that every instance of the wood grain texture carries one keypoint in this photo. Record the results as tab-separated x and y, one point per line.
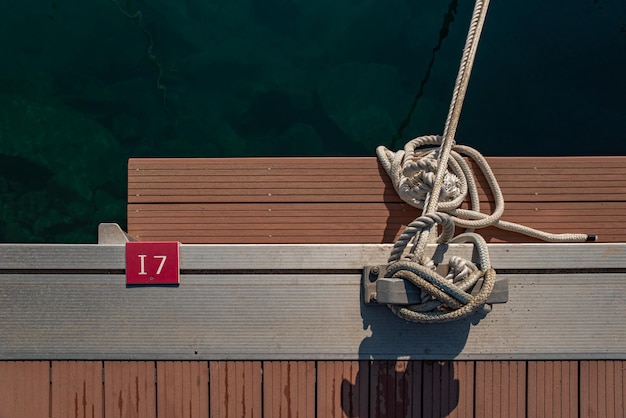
129	389
358	179
236	389
552	389
24	389
500	389
289	389
603	389
342	388
448	389
335	222
396	389
317	200
182	389
76	389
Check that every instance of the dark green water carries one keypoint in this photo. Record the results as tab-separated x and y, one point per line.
86	84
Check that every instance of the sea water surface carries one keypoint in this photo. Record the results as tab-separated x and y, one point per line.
84	85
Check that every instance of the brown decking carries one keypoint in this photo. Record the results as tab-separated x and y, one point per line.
351	200
327	200
308	389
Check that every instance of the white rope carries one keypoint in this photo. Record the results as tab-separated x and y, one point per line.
411	172
431	173
454	113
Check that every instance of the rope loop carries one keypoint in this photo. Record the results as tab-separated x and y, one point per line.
413	172
445	301
435	179
462	292
431	173
418	226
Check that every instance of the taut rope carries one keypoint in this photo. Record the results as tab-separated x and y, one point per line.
432	174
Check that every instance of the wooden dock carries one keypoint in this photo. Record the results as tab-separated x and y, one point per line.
78	343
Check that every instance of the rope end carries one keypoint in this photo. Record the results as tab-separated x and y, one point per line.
592	238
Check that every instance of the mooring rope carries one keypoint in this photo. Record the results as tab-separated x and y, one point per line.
432	173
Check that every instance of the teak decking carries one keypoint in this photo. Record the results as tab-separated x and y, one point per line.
351	200
327	200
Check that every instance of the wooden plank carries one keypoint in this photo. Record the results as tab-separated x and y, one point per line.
182	389
356	165
580	192
129	389
245	163
295	212
500	389
448	389
24	389
395	388
602	388
220	186
235	389
233	194
308	179
289	389
344	223
552	389
464	374
248	163
300	178
76	389
342	389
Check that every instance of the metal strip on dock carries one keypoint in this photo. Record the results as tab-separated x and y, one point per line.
300	302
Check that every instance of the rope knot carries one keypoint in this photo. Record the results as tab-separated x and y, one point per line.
419	225
431	173
458	295
418	180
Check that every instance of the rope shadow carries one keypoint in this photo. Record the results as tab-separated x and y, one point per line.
403	389
406	368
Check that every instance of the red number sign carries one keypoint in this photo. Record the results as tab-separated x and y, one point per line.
152	263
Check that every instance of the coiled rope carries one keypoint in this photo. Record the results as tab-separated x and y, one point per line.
432	174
